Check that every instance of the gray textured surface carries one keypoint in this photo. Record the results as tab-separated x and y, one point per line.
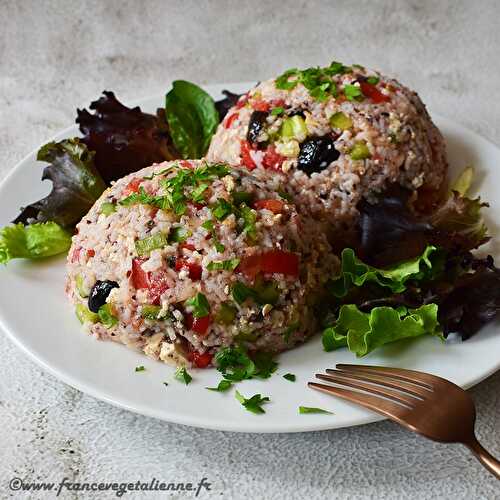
57	55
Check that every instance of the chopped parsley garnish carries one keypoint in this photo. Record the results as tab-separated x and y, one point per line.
224	385
290	376
290	330
318	81
147	245
209	226
200	305
187	184
264	364
307	409
285	196
373	80
240	197
223	265
353	92
178	234
235	364
277	111
222	209
249	217
253	404
182	375
140	368
262	293
154	174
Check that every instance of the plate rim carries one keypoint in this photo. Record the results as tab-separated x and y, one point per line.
197	421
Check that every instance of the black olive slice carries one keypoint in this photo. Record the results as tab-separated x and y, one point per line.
256	125
99	294
316	154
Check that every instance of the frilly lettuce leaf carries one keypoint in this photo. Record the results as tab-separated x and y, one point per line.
33	242
363	332
354	272
390	230
76	184
124	139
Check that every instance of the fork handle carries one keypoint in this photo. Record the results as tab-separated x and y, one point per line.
487	460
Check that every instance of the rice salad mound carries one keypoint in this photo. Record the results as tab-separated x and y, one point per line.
183	258
338	133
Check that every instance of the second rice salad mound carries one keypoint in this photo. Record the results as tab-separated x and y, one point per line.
183	258
338	134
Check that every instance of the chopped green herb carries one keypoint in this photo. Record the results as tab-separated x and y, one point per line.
277	111
209	226
358	66
147	245
223	386
253	404
290	330
226	314
283	82
223	265
84	315
360	151
106	316
373	80
353	92
264	364
200	305
140	369
221	209
290	376
286	196
249	217
154	174
108	208
197	193
307	409
341	121
234	363
240	197
178	234
182	375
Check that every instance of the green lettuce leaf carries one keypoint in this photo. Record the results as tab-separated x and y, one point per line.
355	272
76	184
33	242
192	118
363	332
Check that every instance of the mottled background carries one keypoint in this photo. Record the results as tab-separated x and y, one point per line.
55	56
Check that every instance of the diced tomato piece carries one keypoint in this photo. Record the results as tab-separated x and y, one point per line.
185	164
272	159
153	211
373	93
133	186
198	206
230	119
187	246
200	360
274	261
277	103
90	253
242	101
198	325
279	261
158	285
246	158
261	105
275	206
193	268
139	276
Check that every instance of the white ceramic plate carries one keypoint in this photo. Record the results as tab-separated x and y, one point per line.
35	314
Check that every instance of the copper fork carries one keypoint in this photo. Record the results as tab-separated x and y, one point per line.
423	403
